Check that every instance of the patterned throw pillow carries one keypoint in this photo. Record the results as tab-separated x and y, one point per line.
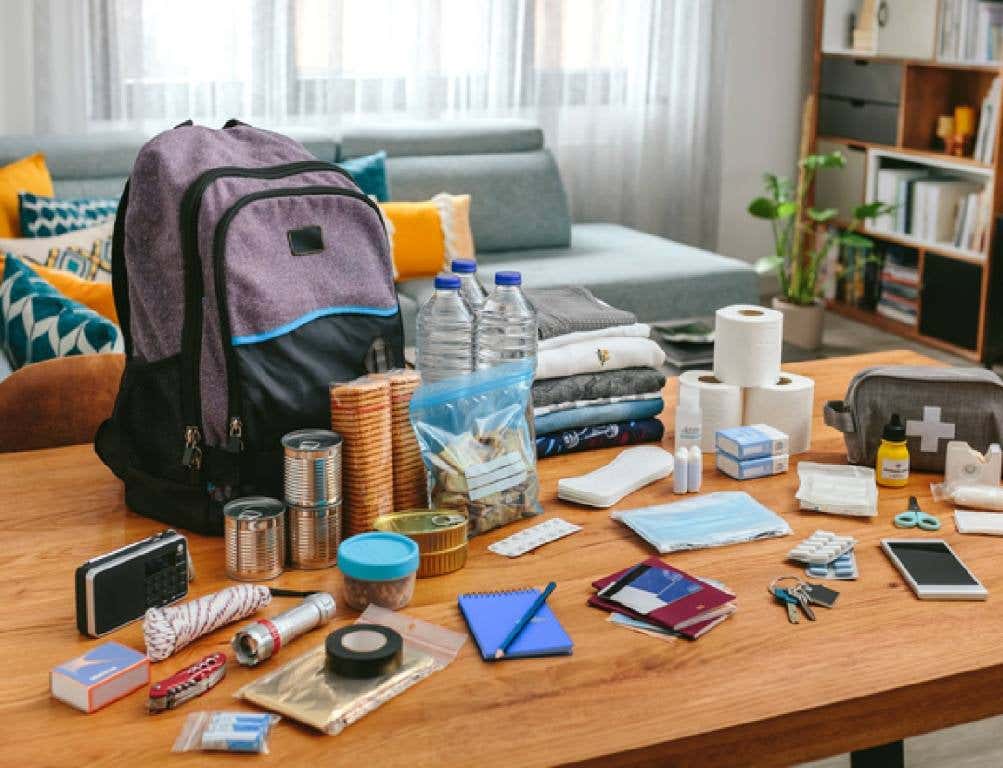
86	252
45	217
39	323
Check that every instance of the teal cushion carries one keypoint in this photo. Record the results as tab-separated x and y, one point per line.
370	173
39	323
45	217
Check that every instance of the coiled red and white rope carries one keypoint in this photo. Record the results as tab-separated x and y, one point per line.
169	629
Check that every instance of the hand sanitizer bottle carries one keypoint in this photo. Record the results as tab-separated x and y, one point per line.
688	418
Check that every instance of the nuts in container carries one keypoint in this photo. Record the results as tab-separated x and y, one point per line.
379	569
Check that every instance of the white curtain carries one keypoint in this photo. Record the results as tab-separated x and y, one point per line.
627	91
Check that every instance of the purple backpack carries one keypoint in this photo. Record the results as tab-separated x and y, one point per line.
248	275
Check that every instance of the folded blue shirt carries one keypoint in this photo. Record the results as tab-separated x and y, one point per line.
599	414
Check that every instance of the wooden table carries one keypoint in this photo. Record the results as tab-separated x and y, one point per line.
755	691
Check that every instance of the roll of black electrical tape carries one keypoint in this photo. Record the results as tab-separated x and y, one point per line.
364	650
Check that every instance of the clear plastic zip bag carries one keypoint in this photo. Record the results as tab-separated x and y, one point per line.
309	691
225	732
478	446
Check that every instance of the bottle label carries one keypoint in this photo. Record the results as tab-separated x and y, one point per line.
690	433
895	469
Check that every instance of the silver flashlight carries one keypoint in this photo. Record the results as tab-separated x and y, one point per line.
262	639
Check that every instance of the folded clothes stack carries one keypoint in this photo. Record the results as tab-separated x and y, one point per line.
598	380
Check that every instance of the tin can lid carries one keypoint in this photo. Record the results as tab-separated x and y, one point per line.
311	439
420	521
254	508
378	556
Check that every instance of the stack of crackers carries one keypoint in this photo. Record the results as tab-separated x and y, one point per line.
361	414
410	482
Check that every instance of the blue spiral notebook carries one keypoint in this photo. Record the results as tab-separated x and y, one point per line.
491	615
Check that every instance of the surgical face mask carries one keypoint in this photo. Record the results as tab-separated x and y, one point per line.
712	520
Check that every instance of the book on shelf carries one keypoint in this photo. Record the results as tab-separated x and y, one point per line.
971	30
894	186
899	288
859	272
985	136
934	208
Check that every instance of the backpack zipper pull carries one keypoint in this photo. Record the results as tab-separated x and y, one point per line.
192	457
236	442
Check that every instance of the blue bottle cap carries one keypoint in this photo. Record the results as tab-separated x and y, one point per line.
378	556
508	278
445	282
464	266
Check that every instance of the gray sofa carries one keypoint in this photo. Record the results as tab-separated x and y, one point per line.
519	211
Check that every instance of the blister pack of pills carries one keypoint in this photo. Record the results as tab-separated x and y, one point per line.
843	568
535	536
821	548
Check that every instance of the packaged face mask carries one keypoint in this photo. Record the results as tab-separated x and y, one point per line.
712	520
330	697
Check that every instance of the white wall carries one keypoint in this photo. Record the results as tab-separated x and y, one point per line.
767	75
16	71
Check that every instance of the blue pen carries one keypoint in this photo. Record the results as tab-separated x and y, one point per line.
526	618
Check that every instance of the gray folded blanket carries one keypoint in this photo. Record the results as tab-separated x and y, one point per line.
571	309
592	386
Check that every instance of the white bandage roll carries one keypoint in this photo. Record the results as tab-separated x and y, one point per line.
720	404
747	345
786	404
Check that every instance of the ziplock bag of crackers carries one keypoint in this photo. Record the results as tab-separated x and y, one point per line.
316	692
477	445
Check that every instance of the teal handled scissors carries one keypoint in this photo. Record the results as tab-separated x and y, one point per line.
915	517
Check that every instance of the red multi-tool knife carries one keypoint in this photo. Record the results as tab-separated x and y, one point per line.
187	683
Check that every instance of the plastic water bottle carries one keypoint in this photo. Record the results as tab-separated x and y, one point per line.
470	287
506	324
445	332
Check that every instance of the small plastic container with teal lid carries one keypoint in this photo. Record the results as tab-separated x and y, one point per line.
380	568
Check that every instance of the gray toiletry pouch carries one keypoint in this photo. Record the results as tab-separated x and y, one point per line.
935	404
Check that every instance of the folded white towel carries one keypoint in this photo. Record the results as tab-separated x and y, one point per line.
603	354
642	330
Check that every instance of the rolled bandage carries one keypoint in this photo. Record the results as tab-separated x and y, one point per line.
169	629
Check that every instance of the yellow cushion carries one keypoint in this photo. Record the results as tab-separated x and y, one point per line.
425	237
97	296
29	174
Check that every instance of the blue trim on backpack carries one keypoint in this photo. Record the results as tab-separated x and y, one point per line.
254	338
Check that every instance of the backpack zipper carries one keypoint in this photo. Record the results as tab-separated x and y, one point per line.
235	421
191	335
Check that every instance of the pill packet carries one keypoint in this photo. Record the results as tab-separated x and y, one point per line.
225	732
306	691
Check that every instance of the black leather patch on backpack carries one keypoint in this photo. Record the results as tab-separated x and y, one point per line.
305	240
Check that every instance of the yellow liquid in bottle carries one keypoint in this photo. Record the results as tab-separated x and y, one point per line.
892	465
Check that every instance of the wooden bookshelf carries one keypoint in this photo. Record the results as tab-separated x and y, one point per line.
928	87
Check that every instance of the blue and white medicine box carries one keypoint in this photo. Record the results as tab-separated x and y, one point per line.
753	441
99	677
748	469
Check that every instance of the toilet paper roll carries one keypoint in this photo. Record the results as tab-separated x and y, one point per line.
747	345
786	404
720	404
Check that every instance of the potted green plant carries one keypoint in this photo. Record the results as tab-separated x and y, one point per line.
799	250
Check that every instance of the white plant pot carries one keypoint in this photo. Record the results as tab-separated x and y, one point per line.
803	325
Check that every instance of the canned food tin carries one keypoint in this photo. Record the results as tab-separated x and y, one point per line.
254	527
314	536
433	530
442	562
312	467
